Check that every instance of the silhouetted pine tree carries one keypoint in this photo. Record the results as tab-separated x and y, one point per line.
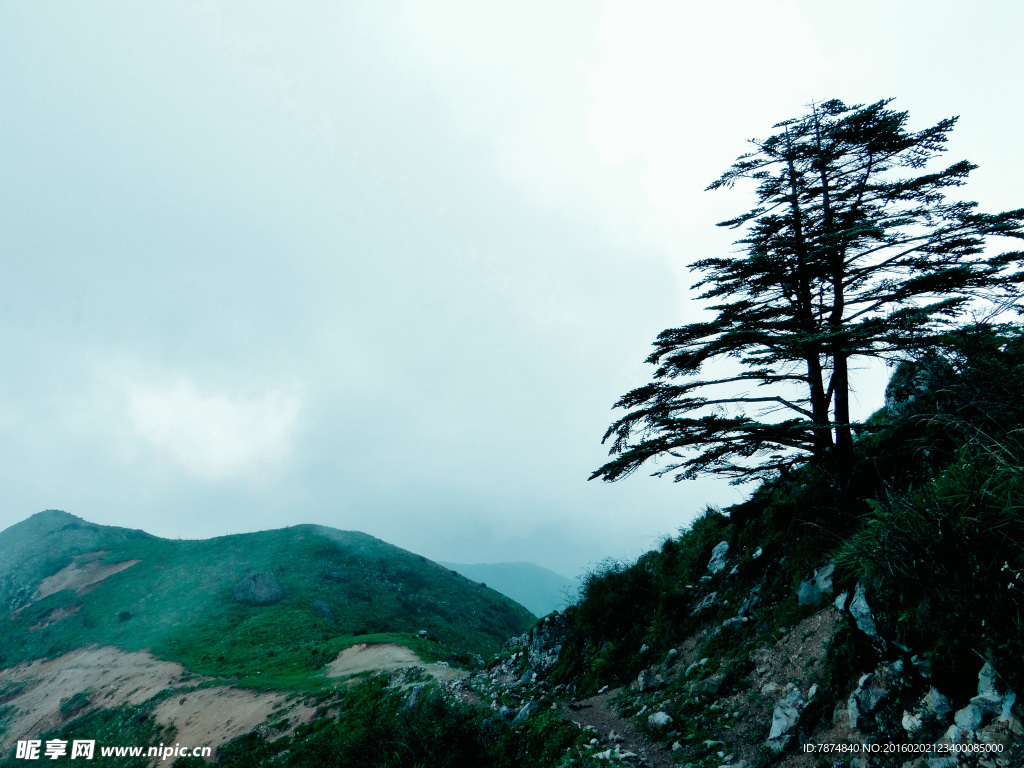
852	251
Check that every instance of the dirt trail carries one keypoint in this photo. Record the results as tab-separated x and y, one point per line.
599	712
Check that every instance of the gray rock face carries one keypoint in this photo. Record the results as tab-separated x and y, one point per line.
258	589
861	612
525	712
647	680
906	387
545	642
785	717
709	601
989	702
815	588
869	694
717	563
936	704
709	685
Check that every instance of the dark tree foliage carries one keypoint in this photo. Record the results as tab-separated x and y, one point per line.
852	251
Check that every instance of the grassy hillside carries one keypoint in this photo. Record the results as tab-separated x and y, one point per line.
194	601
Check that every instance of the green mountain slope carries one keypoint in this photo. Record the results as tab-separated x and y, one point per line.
270	608
539	589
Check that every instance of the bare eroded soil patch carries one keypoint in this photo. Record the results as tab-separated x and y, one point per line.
112	677
384	657
84	574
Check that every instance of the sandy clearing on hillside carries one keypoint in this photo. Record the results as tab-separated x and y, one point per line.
82	575
204	717
213	716
114	677
385	657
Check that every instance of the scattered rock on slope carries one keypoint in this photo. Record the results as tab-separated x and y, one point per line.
258	589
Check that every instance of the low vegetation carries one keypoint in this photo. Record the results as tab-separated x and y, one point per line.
182	600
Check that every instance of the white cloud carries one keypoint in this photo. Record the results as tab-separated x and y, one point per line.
681	84
214	436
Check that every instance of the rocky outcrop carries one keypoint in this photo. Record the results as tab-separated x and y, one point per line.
258	589
861	613
717	563
785	717
815	588
545	643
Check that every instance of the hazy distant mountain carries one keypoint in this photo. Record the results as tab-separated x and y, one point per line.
279	604
539	589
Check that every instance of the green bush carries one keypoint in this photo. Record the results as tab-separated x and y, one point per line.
943	561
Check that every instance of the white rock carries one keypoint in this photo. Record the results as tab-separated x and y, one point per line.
969	718
659	720
717	562
525	712
936	703
819	585
696	665
1006	713
911	722
861	613
786	715
987	680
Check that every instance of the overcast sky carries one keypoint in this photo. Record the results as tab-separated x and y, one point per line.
386	266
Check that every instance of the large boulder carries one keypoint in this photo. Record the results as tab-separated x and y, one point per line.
648	680
785	717
545	642
258	589
717	562
815	588
861	612
659	721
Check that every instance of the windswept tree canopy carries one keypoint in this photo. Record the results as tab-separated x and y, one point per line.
852	251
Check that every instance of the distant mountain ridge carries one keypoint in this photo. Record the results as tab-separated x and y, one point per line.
279	604
539	589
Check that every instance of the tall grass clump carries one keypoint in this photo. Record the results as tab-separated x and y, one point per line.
943	561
